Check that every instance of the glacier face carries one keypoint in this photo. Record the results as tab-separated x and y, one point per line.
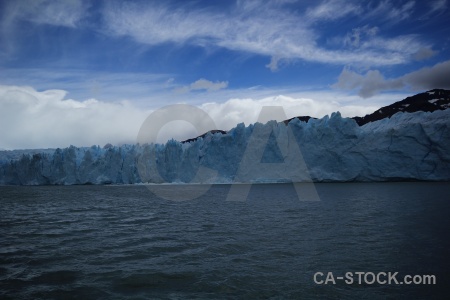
407	146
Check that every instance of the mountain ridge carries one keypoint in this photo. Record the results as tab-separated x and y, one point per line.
429	101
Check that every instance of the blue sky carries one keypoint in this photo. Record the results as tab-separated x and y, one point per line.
128	58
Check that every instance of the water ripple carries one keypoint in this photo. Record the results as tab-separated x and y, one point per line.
95	242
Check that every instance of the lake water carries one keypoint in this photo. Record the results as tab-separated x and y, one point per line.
90	242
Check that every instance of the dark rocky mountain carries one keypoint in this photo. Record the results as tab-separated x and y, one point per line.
203	135
301	118
437	99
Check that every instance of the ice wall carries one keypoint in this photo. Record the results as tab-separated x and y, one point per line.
407	146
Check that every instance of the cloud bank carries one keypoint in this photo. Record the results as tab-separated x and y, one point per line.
33	119
46	119
234	111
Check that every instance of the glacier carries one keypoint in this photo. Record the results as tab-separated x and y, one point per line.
406	146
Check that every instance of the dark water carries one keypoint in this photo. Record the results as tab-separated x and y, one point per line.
122	242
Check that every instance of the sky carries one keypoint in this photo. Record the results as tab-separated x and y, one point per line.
84	73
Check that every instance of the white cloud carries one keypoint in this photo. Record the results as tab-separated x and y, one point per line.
158	23
438	6
59	13
388	11
202	84
367	38
332	10
423	53
258	28
368	85
237	110
373	82
401	13
273	65
143	88
357	35
43	119
33	119
67	13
